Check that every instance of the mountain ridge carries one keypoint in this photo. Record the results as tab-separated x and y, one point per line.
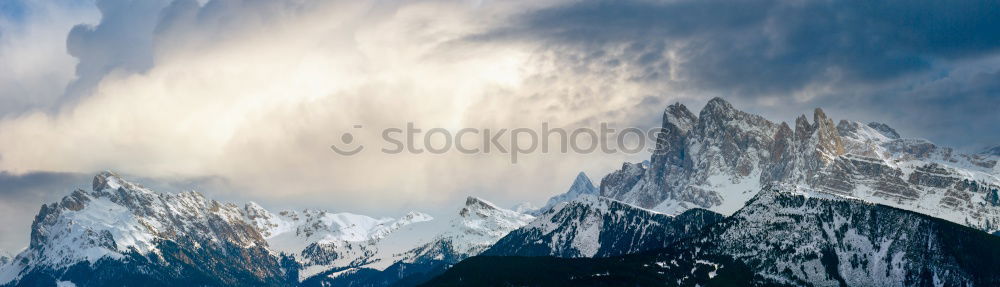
720	158
800	237
592	226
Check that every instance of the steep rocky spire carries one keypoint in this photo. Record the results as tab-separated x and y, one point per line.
582	185
802	128
828	142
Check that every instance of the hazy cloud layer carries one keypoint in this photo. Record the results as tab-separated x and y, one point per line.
243	97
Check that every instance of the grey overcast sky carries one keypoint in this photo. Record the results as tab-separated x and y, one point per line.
241	98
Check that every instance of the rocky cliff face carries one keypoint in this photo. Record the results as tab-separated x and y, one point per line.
720	158
593	226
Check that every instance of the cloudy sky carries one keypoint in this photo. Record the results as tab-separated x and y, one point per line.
241	99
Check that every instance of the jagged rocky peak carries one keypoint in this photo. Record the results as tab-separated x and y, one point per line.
885	129
822	133
717	106
475	204
679	117
254	210
828	138
582	184
729	154
478	214
731	130
108	180
670	147
802	128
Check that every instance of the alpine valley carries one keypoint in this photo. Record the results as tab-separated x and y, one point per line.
727	198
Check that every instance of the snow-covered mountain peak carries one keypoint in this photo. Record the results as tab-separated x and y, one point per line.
121	220
476	227
108	180
582	185
884	129
475	204
481	217
866	133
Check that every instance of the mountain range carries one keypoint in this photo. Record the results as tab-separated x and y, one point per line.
782	237
726	198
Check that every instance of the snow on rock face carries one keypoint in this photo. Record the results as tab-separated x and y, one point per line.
884	129
121	221
119	216
474	228
477	226
802	236
5	257
592	226
721	158
320	240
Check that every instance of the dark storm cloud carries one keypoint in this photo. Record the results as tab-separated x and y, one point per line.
954	110
30	184
876	55
122	40
773	46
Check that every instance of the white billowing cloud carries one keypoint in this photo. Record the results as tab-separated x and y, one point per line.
34	65
256	91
